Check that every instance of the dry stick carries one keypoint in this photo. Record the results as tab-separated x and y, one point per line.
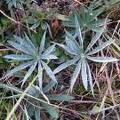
39	100
25	94
116	28
109	15
82	102
102	103
111	92
53	105
118	71
16	22
108	79
20	99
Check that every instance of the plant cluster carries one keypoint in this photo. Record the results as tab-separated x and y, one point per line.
35	59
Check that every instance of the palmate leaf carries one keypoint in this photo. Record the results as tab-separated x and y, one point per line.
49	86
28	74
84	74
81	56
96	26
49	57
49	50
94	39
72	43
87	18
70	21
19	68
93	13
25	43
60	97
51	110
81	14
10	87
22	57
66	48
102	59
78	30
40	75
101	47
37	114
75	75
15	3
22	41
19	47
89	76
90	17
65	65
49	53
31	45
32	58
49	71
42	44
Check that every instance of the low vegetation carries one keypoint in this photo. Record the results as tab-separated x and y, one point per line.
59	60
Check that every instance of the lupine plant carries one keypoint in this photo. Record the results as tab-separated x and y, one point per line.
87	18
14	3
32	57
36	102
37	58
81	56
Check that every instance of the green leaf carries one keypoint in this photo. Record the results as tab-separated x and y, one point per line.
94	40
20	47
60	97
102	59
49	50
62	17
25	43
34	91
90	78
70	22
49	71
97	25
83	14
42	44
51	110
28	74
49	57
95	109
65	65
49	86
40	75
72	43
75	75
66	48
101	47
22	57
95	13
84	74
31	45
37	114
78	30
10	87
20	67
26	114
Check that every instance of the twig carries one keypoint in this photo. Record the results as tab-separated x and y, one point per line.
16	22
